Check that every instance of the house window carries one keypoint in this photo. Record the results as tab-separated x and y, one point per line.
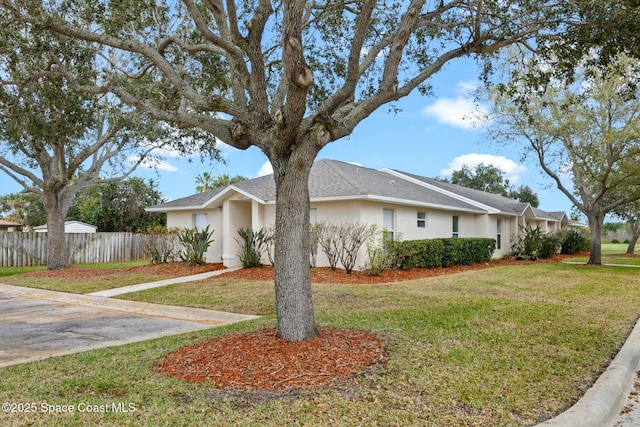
422	219
200	221
456	220
499	234
388	223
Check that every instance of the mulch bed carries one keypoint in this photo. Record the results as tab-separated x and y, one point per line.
339	276
262	361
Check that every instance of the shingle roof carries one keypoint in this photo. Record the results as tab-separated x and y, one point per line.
495	201
331	179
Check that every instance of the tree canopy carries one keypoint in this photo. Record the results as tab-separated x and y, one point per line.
585	131
206	181
492	179
56	141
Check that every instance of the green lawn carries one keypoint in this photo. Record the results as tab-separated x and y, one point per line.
81	285
610	255
12	271
495	347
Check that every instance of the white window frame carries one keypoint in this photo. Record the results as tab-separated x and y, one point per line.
389	226
499	233
197	221
455	226
421	222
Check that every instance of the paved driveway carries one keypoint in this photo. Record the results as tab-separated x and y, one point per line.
36	324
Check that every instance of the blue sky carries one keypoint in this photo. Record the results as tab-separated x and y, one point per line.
430	136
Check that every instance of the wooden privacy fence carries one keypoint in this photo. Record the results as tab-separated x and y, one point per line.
25	249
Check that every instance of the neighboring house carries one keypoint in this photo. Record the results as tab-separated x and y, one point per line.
9	226
70	227
407	206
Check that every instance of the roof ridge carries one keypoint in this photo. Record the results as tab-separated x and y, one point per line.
331	163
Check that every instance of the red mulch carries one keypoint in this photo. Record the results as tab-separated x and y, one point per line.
261	361
339	276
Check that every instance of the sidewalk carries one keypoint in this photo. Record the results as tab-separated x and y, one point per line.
142	286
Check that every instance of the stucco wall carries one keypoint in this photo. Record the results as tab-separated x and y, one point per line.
182	220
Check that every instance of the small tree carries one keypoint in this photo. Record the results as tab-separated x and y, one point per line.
352	237
328	236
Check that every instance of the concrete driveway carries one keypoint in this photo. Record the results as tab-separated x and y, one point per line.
36	324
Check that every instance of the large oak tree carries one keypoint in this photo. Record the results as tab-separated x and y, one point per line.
55	141
300	74
584	132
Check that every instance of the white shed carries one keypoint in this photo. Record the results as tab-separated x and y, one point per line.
70	227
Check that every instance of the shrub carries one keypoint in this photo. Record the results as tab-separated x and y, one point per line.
549	245
252	245
573	241
379	255
615	241
535	244
433	253
328	237
409	254
162	245
195	245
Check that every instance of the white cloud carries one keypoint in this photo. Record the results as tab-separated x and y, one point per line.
511	169
462	111
265	169
355	163
154	163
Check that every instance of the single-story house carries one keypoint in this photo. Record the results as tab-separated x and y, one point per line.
70	227
9	226
405	205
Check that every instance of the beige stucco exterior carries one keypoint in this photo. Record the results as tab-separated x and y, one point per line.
409	206
234	210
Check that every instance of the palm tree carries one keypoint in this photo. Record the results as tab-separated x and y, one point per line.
204	182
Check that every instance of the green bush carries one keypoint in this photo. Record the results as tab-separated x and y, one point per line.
379	256
433	253
549	245
195	245
252	245
535	243
573	241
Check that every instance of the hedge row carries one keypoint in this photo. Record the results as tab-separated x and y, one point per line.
433	253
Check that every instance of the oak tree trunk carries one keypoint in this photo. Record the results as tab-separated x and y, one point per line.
294	305
57	252
634	228
595	222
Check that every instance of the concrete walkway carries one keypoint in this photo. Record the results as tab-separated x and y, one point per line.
37	324
142	286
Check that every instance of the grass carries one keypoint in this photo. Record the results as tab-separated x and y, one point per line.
504	346
609	255
82	284
12	271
